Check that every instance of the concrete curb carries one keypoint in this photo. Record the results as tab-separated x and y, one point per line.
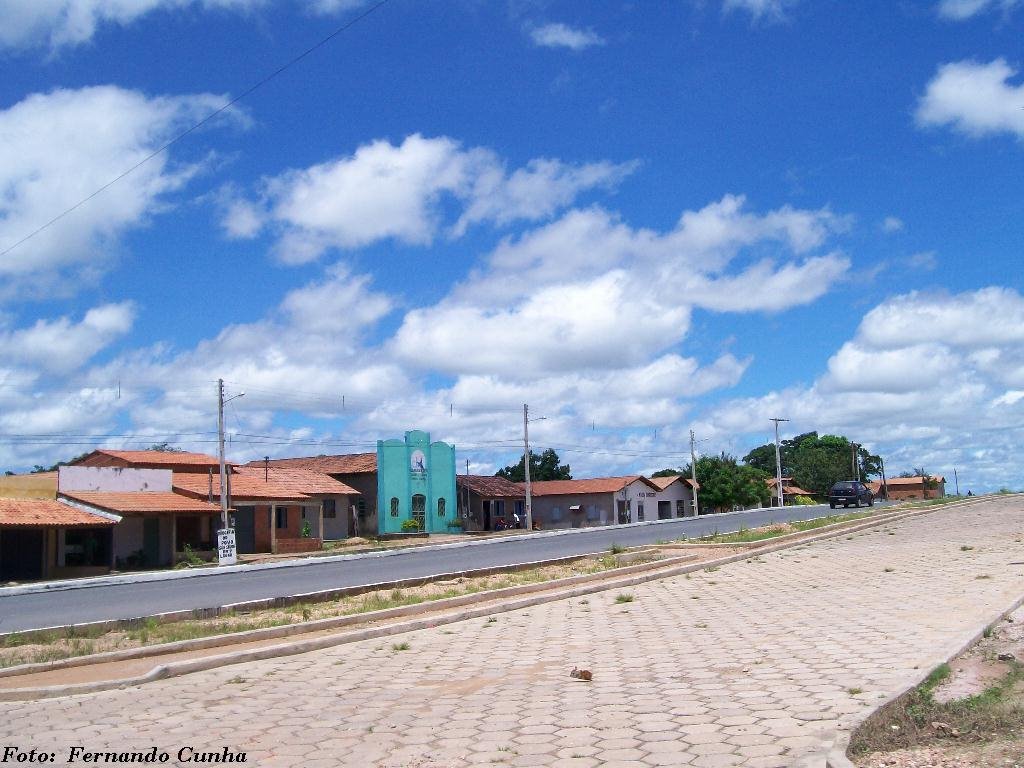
138	578
175	669
309	627
211	612
836	757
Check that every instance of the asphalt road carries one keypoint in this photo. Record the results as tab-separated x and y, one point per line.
123	601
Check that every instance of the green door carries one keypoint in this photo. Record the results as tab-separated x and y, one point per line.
151	541
419	510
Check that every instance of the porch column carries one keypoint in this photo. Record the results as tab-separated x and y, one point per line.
320	524
273	529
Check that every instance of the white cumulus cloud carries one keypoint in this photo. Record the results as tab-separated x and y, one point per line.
100	132
400	192
975	99
557	35
959	10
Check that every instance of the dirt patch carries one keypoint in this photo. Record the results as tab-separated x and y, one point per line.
969	713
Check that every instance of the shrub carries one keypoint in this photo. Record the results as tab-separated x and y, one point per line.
307	529
803	501
410	526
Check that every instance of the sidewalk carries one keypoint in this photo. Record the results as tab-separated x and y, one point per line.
754	664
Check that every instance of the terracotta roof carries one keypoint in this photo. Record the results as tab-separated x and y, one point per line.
667	480
341	464
304	481
38	513
788	487
913	480
590	485
243	488
165	459
491	486
125	502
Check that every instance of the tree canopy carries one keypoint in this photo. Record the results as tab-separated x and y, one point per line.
543	467
725	483
815	462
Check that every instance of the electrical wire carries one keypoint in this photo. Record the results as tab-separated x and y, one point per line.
196	126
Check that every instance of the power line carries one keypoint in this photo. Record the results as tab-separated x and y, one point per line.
195	126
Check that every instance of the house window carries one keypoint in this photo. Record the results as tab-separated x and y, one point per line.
593	513
86	547
282	517
361	507
640	512
440	507
330	509
680	508
419	503
556	514
394	506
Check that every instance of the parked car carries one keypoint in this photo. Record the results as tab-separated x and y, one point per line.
847	492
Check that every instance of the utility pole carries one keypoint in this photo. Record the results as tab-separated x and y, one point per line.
693	472
778	463
526	466
854	464
885	485
223	466
956	480
220	442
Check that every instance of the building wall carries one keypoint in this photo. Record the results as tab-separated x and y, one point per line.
262	522
410	467
366	484
673	494
336	527
552	512
127	537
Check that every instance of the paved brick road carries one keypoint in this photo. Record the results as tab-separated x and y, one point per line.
750	665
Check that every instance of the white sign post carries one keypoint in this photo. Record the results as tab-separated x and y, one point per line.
227	554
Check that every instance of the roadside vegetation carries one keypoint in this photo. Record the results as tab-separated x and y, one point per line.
918	720
18	649
747	535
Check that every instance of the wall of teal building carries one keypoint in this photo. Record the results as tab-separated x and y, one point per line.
415	481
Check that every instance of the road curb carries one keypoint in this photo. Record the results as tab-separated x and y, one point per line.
836	756
302	628
148	576
280	601
175	669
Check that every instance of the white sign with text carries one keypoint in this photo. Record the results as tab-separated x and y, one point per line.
227	553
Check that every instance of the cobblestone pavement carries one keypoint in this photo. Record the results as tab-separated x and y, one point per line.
752	664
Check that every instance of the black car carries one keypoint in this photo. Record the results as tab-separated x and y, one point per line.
849	492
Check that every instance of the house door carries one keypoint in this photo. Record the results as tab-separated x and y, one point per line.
245	530
419	510
664	510
151	541
21	554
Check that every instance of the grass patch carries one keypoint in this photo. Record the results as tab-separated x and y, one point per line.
19	648
398	647
617	549
623	598
748	535
917	720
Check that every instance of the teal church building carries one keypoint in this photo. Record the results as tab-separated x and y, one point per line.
415	481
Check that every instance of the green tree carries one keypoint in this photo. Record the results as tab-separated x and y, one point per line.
669	472
543	467
725	483
815	462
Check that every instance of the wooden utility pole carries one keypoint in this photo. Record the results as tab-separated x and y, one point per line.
526	466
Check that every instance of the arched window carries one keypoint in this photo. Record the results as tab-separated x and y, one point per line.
394	506
419	503
440	507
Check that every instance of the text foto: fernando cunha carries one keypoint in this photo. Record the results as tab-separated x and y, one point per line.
152	755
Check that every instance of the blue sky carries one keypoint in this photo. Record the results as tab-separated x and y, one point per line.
640	218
